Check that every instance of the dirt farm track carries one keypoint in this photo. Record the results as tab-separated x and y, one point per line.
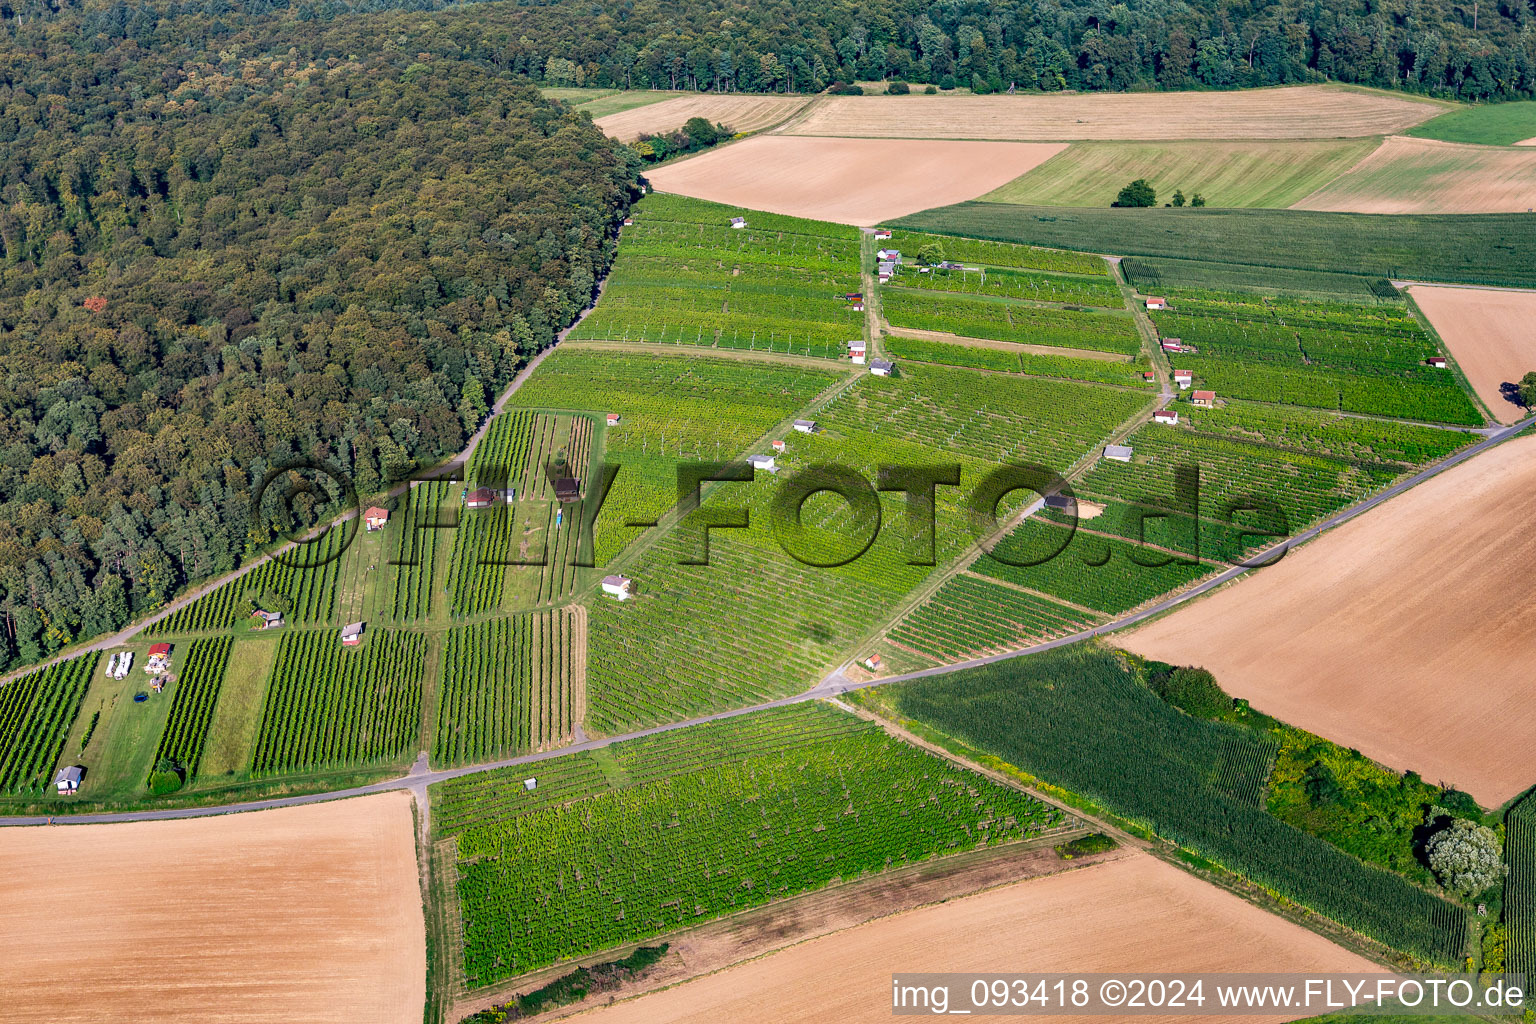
1408	634
304	914
1134	913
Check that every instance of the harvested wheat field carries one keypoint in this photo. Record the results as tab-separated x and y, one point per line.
1291	112
1407	633
1489	332
1131	914
851	181
308	913
1427	176
740	112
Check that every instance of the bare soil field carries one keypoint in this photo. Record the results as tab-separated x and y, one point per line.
1407	633
851	181
1291	112
301	914
1133	913
741	112
1428	176
1489	332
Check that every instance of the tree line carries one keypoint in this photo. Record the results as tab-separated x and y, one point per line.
1440	47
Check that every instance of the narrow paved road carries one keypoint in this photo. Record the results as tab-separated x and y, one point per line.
420	776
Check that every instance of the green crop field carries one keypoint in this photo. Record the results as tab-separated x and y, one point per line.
505	687
36	712
704	822
1490	124
1520	887
303	579
195	694
1082	720
329	705
1227	173
602	102
1155	275
684	276
1492	248
671	409
1010	321
696	636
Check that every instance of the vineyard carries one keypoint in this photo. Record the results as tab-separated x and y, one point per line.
506	687
195	695
995	320
805	796
970	616
418	539
500	459
1085	569
1013	284
1002	254
1327	355
1298	488
757	623
685	277
671	409
1080	719
329	705
1008	360
1325	433
482	548
36	712
305	579
1520	887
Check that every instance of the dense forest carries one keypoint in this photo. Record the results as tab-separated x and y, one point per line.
1462	48
208	269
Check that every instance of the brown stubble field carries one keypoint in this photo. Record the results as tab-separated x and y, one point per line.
850	181
1130	914
303	914
740	112
1290	112
1407	633
1490	334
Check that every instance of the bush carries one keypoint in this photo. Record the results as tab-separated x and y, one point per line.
1093	842
929	90
166	777
1140	193
844	89
947	82
897	88
1193	691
